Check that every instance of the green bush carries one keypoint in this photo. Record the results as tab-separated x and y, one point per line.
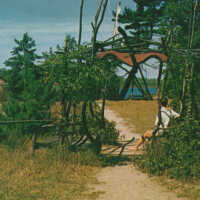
177	153
108	134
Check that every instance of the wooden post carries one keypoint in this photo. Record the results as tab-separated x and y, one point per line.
187	82
145	84
139	86
80	22
134	68
127	83
84	122
159	79
103	109
96	25
132	88
33	144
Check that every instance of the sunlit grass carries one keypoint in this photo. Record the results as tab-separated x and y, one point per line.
139	113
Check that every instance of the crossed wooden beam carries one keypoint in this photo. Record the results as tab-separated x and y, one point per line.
126	57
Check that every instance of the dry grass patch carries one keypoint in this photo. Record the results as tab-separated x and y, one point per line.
140	113
44	177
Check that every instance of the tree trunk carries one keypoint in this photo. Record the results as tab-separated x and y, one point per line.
159	79
103	110
91	109
195	108
97	24
33	144
84	121
74	111
67	115
80	22
134	67
145	84
127	83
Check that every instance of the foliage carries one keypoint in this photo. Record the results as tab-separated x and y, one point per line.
146	19
178	20
176	153
80	80
77	75
108	133
177	26
28	94
70	76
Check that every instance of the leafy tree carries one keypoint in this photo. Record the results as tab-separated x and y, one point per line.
142	22
176	153
28	92
79	81
181	21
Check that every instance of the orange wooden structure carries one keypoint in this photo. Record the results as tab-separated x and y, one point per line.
126	57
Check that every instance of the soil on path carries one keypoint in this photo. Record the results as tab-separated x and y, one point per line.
126	182
126	133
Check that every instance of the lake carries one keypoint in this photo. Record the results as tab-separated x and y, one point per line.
137	93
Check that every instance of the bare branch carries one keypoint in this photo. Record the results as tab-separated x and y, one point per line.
80	22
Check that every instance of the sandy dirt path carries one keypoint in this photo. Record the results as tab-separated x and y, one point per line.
126	134
126	182
125	131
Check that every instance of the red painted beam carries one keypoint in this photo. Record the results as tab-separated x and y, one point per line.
126	57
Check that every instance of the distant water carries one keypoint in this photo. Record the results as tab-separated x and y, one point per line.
137	93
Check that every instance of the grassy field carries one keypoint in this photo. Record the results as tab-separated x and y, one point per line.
46	176
140	113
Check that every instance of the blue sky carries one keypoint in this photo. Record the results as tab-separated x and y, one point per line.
48	21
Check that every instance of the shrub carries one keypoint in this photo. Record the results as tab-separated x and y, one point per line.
177	153
108	134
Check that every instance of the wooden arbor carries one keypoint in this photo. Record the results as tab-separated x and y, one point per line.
127	58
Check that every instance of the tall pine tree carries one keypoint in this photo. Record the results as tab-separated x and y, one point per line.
28	92
143	21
